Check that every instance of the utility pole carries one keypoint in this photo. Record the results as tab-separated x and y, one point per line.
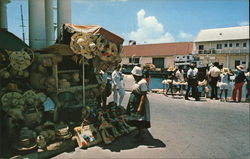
21	7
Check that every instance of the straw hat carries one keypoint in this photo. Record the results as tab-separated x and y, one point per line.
225	70
101	42
63	83
171	68
106	54
11	99
62	131
19	60
30	97
113	48
240	67
137	71
26	140
42	97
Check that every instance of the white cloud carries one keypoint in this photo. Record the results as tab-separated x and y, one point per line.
244	23
149	30
185	36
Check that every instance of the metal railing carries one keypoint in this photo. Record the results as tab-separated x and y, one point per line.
221	51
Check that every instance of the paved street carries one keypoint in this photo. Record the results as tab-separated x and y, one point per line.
182	129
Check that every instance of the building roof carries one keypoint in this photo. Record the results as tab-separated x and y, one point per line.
162	49
219	34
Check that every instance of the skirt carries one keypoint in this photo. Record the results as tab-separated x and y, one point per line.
138	119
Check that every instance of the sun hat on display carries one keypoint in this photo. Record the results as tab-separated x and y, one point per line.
137	71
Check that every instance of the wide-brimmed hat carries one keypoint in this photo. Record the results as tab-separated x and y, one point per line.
171	68
137	71
240	67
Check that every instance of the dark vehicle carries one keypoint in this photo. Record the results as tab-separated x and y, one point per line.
127	68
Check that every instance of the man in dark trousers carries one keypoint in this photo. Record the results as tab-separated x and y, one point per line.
214	74
192	82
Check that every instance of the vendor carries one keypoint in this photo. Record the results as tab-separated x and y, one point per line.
138	105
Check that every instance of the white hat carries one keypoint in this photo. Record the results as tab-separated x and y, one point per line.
240	67
137	71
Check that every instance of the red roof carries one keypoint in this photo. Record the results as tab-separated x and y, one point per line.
162	49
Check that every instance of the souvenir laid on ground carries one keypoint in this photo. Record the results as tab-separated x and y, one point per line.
87	135
62	131
107	130
26	141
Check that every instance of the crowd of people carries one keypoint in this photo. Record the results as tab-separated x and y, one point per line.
209	81
138	105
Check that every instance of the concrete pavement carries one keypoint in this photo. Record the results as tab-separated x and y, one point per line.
182	129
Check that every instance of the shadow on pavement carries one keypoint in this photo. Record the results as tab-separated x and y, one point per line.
130	141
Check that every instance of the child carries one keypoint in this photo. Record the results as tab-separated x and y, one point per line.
224	82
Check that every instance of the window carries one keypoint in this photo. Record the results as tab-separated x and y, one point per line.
219	46
237	44
244	44
188	57
230	45
134	60
201	47
225	45
158	62
236	63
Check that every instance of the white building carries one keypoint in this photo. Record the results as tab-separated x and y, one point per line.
228	46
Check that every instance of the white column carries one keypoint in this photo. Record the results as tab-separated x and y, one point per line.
49	23
37	36
3	14
228	61
63	13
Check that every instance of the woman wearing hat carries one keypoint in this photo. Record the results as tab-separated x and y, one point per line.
138	105
224	82
239	81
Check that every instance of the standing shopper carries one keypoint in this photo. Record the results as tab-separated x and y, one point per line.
248	84
171	76
224	82
192	82
239	81
214	74
117	85
138	105
180	77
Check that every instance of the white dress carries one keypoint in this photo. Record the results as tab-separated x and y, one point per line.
224	81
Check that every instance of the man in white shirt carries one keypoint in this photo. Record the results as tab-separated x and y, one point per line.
117	86
192	82
214	74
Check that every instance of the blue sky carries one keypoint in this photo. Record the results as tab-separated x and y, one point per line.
147	21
